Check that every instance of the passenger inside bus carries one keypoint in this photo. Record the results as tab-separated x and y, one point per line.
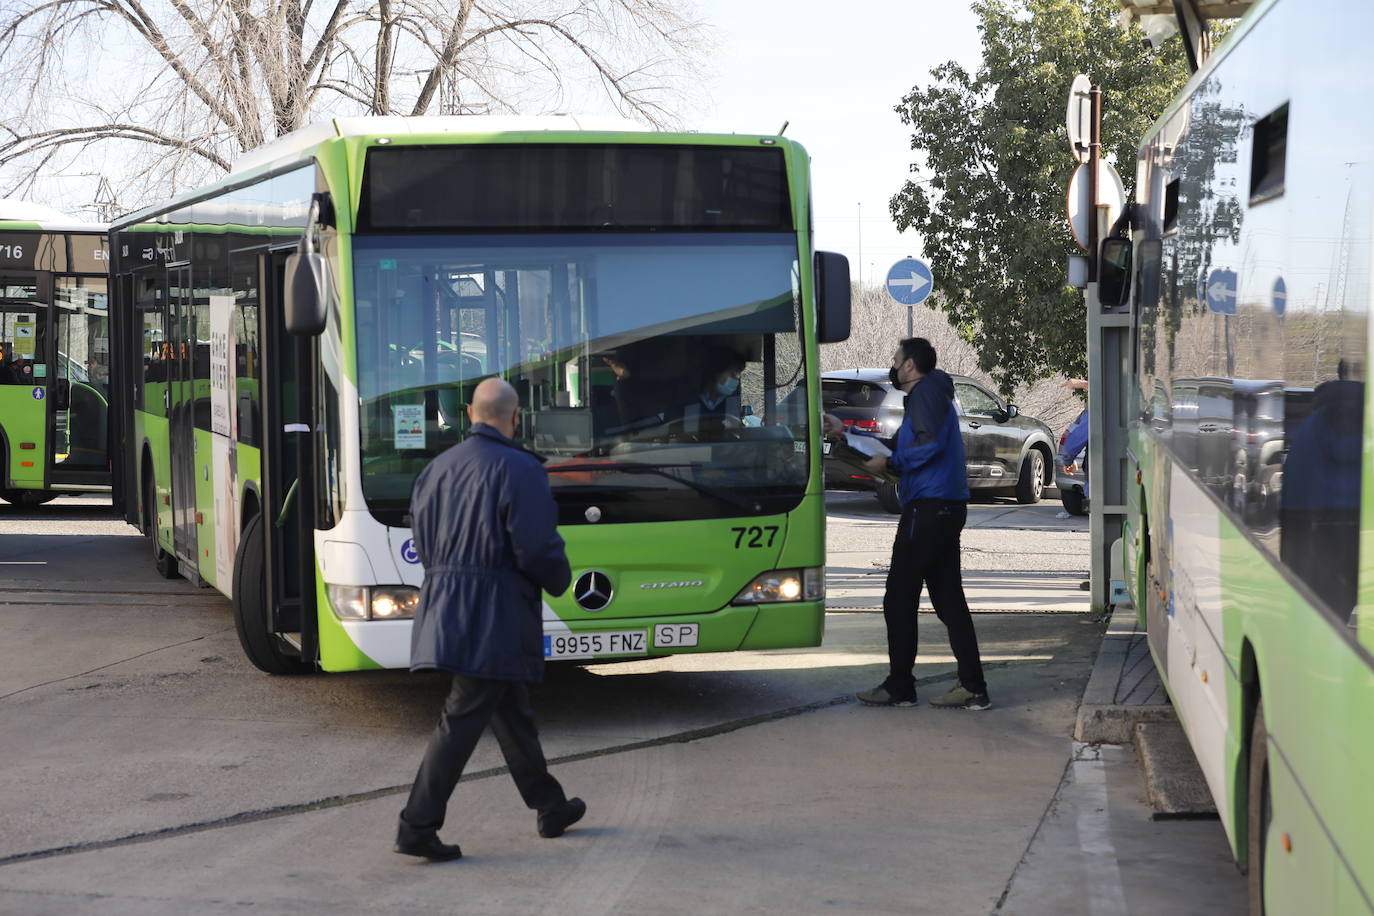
17	371
717	404
636	403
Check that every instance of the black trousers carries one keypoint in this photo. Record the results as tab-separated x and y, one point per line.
926	551
473	703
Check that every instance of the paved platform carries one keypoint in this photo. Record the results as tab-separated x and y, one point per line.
1126	703
1124	688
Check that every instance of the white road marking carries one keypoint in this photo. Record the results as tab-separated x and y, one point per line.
1102	874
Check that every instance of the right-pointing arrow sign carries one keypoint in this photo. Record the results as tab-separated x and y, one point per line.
914	284
909	281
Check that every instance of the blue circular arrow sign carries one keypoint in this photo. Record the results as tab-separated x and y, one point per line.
1221	291
909	281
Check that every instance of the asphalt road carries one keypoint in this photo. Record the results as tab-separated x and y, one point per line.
149	769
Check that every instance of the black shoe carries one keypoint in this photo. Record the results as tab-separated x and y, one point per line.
552	823
882	696
430	848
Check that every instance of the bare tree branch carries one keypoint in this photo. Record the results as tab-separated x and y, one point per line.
52	139
204	80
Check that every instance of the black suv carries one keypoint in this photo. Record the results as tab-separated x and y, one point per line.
1006	453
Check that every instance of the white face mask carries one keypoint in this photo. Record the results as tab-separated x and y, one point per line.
729	386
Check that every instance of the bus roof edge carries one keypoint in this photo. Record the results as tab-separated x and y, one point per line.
289	146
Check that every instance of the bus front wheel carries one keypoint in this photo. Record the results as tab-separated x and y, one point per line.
165	562
252	615
1260	811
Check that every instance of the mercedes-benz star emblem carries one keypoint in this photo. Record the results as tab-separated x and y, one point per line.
593	590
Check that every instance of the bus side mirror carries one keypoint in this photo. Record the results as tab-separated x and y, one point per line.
1114	273
832	297
304	311
307	275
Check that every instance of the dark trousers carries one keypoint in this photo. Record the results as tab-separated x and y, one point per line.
926	551
471	704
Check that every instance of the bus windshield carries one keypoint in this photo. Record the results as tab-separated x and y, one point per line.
660	375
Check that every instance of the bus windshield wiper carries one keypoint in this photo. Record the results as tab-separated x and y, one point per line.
660	470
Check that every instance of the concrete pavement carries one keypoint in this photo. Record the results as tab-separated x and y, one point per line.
149	769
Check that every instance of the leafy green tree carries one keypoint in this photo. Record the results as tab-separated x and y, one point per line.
994	147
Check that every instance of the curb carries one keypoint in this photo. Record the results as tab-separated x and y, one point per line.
1124	688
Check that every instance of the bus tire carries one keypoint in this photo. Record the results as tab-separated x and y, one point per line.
251	612
164	562
888	499
1260	812
1031	483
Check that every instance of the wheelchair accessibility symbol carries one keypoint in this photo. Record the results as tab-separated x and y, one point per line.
409	553
40	393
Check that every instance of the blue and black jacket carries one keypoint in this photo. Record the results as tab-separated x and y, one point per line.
928	450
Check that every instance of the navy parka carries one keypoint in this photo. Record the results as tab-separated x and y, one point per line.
485	527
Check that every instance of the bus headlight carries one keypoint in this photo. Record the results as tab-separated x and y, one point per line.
377	602
394	602
782	585
349	601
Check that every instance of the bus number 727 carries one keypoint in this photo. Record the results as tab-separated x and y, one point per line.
755	535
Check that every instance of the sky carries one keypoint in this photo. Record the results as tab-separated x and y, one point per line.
836	79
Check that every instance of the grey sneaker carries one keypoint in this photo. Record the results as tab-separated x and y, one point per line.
881	696
962	698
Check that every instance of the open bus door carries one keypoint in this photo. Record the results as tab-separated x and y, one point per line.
276	615
79	385
181	354
25	407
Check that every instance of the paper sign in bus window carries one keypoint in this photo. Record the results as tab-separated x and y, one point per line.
24	335
410	425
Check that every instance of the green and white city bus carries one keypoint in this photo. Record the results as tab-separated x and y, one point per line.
1249	544
300	339
54	355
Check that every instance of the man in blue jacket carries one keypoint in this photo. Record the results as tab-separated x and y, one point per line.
928	453
485	526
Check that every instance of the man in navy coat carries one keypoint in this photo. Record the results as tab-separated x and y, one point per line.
485	526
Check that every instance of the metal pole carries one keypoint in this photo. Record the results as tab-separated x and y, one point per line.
1108	378
861	246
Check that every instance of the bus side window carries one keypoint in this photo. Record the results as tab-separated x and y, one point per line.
1319	490
247	397
153	381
